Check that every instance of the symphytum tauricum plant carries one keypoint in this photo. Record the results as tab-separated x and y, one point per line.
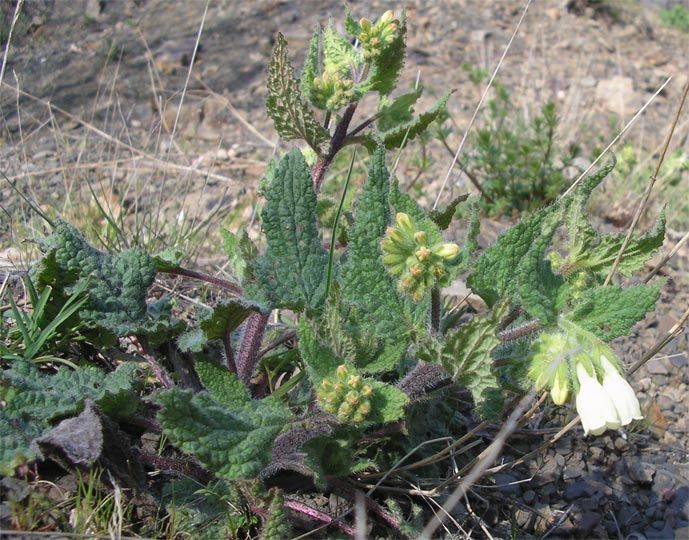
361	300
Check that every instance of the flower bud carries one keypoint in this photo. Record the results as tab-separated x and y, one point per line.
366	390
420	238
341	371
352	397
447	251
423	253
405	222
354	381
386	17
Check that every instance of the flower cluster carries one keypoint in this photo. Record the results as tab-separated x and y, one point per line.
345	396
573	359
409	257
331	91
375	37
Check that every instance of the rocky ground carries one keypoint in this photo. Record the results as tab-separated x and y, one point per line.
92	92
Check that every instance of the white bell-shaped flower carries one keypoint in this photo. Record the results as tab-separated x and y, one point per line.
594	405
620	392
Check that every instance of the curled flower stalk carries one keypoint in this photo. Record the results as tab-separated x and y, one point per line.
573	360
376	37
418	263
346	396
331	91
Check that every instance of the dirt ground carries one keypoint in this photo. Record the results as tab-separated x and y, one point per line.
92	92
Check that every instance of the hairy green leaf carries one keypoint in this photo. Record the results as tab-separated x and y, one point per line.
400	111
320	360
387	402
365	282
293	117
292	270
466	354
610	312
386	68
311	66
515	265
231	437
443	218
338	53
403	133
116	285
240	251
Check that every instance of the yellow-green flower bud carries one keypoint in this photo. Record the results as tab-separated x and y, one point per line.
341	371
416	270
420	237
344	412
423	253
366	390
447	251
364	407
559	391
338	388
352	397
354	381
386	17
326	384
365	24
405	222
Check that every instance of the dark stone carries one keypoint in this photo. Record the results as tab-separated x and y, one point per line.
574	490
588	522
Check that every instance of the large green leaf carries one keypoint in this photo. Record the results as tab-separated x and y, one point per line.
292	272
407	131
365	282
33	399
293	117
466	354
610	312
515	265
232	437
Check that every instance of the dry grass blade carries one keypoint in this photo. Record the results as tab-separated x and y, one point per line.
644	200
667	257
616	139
15	18
162	165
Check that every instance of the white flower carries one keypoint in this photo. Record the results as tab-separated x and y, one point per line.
594	405
621	393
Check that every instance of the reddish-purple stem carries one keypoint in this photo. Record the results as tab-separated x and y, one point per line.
317	515
156	368
251	343
336	144
220	282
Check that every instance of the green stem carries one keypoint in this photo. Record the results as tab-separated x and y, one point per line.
333	239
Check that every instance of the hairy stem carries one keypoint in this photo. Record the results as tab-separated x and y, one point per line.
336	144
317	515
225	284
435	311
251	342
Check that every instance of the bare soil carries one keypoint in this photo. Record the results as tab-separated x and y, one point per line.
102	92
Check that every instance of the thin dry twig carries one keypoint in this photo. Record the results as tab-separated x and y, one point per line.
652	180
488	456
480	103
